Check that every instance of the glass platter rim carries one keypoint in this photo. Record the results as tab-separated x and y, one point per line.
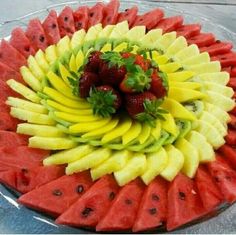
203	20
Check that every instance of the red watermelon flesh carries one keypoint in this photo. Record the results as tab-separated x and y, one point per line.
153	207
233	111
230	138
110	13
21	42
189	30
7	122
3	107
232	122
149	19
229	154
129	15
224	177
66	22
12	139
227	59
184	203
93	205
202	39
210	194
81	17
6	91
123	212
7	73
51	28
218	48
232	84
10	56
170	24
36	35
58	195
21	157
24	180
96	14
233	71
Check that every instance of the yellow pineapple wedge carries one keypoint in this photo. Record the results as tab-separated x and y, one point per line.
132	134
191	157
186	85
169	124
51	54
145	134
72	65
90	160
121	47
115	163
68	156
65	74
181	76
41	60
134	168
156	162
175	163
170	67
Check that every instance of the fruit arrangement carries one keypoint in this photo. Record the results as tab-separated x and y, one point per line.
121	121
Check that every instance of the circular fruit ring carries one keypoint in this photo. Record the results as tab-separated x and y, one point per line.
115	156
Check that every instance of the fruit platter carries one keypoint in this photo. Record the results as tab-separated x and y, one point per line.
118	120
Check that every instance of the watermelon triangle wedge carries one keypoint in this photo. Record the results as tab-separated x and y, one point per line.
110	13
129	15
81	18
12	139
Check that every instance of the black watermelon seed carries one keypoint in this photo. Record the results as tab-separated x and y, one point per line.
57	192
218	41
66	18
27	48
91	14
228	177
54	26
155	197
41	38
128	201
152	211
80	189
79	25
181	196
112	195
126	9
24	170
86	212
216	179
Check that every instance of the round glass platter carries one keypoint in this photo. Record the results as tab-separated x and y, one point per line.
217	19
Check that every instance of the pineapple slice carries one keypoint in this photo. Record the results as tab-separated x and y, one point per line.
221	78
187	53
51	54
159	59
106	47
151	37
72	66
115	163
26	105
31	117
132	134
68	156
224	90
198	59
212	135
77	38
205	150
156	131
191	157
39	130
179	44
145	134
165	41
211	67
41	60
120	30
169	124
156	162
175	163
63	46
91	160
136	32
35	68
186	85
184	95
122	46
134	168
106	31
180	76
51	143
170	67
177	110
93	32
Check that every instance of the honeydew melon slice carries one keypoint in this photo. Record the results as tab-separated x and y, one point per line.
221	89
187	53
106	31
136	33
221	78
77	38
51	54
93	32
211	67
165	41
151	37
120	30
79	60
41	60
35	68
198	59
179	44
63	46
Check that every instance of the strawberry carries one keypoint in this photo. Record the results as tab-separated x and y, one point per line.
157	85
87	80
105	100
94	61
144	107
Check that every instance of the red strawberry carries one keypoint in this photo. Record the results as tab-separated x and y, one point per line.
105	100
94	61
157	86
87	81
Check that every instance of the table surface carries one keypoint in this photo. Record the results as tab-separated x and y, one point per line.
10	214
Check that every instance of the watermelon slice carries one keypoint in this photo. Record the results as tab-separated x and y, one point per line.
3	107
51	28
149	19
224	177
123	212
229	154
21	42
170	24
7	73
210	194
66	22
12	139
227	59
81	18
232	84
36	35
153	207
218	48
232	122
25	180
58	195
184	203
93	205
233	111
231	137
10	56
96	14
7	122
233	71
21	157
110	12
129	15
202	39
189	30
